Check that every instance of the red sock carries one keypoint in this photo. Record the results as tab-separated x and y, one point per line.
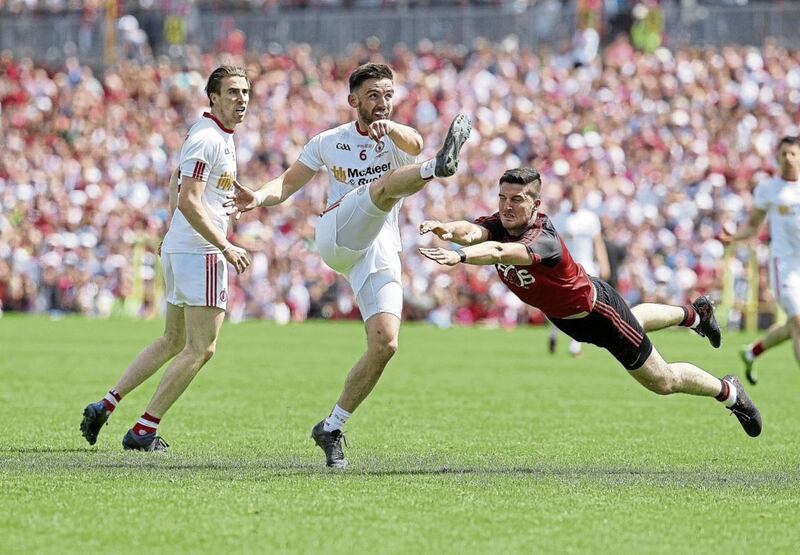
690	316
110	400
757	349
147	424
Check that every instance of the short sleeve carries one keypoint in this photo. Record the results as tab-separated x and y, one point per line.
761	196
493	225
198	155
311	155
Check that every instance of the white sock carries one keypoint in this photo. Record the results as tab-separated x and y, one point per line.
426	169
748	354
732	394
336	420
696	320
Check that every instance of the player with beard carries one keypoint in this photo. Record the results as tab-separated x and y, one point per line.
371	167
534	263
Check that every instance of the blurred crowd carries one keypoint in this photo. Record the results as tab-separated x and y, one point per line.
667	147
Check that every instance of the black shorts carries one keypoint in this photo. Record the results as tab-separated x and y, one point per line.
610	325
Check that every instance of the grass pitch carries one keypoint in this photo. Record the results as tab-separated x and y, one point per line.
474	441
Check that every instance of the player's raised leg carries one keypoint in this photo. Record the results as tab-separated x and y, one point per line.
146	363
683	377
202	328
698	316
407	180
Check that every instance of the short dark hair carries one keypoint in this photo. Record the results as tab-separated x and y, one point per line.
789	140
215	79
369	71
524	176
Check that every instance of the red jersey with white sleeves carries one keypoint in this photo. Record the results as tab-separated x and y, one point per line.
208	155
554	283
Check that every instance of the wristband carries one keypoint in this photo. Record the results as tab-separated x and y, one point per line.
461	255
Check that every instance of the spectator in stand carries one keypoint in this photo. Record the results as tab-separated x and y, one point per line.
674	142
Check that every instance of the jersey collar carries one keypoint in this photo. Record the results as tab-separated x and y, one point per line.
358	130
219	123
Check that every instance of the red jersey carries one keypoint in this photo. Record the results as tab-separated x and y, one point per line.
554	283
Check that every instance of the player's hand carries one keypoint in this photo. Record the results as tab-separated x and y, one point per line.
445	257
378	129
726	234
243	200
237	257
437	228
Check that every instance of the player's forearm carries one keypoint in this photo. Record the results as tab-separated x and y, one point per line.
272	193
407	139
464	233
195	213
744	232
493	252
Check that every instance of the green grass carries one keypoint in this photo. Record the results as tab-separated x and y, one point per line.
475	441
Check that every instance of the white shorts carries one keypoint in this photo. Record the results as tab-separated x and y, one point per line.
354	239
195	279
784	275
380	293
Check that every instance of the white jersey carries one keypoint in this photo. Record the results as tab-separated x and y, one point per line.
208	154
353	159
578	229
780	199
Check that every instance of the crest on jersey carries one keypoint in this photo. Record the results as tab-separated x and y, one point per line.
339	173
223	296
380	146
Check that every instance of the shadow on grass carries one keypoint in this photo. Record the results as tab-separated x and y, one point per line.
258	470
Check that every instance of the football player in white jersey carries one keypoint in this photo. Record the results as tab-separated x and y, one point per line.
370	165
778	200
194	254
581	231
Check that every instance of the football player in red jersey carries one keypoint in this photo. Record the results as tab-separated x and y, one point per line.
532	261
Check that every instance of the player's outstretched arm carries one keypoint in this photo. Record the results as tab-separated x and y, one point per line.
460	232
750	228
273	192
490	252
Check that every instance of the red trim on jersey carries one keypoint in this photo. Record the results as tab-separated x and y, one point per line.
219	123
362	133
199	170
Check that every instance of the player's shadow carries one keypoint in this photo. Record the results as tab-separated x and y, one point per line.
32	450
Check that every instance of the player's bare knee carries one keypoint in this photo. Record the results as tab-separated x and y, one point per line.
383	347
174	342
661	385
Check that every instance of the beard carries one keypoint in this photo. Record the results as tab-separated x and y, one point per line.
368	117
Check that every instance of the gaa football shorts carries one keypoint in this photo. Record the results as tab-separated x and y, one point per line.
196	279
612	326
784	274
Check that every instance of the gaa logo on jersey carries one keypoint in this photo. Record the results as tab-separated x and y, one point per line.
380	146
